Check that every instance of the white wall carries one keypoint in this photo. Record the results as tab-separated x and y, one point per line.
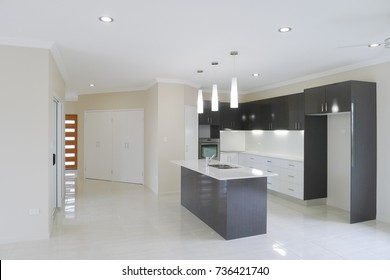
151	139
232	141
286	143
26	77
339	161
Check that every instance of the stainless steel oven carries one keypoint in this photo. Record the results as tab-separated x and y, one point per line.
208	147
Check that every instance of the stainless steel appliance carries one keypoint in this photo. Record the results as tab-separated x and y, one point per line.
208	147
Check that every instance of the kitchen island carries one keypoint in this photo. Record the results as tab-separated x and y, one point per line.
232	199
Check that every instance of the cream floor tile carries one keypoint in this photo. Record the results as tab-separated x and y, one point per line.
108	220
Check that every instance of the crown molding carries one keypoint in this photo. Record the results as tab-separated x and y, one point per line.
177	81
318	75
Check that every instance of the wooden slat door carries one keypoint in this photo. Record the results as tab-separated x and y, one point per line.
70	141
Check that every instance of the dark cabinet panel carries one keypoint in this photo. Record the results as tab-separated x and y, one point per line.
334	98
338	97
296	111
274	113
364	152
314	100
208	116
315	153
250	115
229	118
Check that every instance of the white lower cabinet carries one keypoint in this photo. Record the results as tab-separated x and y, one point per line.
252	161
228	157
290	173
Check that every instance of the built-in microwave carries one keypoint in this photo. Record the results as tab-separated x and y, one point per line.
208	147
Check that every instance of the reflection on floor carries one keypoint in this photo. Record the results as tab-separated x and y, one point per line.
107	220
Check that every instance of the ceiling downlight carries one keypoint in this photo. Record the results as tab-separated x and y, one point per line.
284	29
106	19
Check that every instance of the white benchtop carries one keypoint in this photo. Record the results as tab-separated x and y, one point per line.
271	155
222	174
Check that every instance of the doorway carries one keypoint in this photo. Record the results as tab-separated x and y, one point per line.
70	141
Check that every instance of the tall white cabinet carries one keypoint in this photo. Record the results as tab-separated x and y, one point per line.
114	145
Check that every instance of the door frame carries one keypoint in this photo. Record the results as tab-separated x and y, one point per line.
58	149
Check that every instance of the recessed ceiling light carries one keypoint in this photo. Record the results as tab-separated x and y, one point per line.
374	45
285	29
106	19
91	85
255	74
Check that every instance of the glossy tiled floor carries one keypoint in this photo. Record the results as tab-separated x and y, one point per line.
105	220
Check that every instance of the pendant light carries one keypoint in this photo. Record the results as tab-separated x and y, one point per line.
234	90
214	93
200	97
200	101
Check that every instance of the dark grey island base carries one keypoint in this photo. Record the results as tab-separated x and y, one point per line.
233	208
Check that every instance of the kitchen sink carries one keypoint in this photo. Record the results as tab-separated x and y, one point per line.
223	166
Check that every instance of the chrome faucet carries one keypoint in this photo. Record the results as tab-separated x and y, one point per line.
208	160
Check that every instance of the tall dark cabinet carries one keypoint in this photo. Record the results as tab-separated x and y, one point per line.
358	98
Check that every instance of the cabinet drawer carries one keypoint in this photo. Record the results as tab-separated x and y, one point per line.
292	190
273	184
291	176
292	164
251	161
271	161
271	169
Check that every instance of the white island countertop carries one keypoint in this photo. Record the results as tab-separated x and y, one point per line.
240	172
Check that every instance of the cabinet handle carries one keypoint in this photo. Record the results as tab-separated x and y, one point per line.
270	161
291	176
322	107
326	106
290	189
292	165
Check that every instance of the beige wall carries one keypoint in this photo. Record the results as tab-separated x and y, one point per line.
151	139
376	73
28	80
170	135
56	91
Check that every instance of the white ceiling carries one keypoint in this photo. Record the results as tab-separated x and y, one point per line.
172	39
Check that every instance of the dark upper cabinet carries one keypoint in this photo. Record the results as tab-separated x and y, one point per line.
266	114
334	98
338	97
208	116
250	115
277	113
296	111
229	118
